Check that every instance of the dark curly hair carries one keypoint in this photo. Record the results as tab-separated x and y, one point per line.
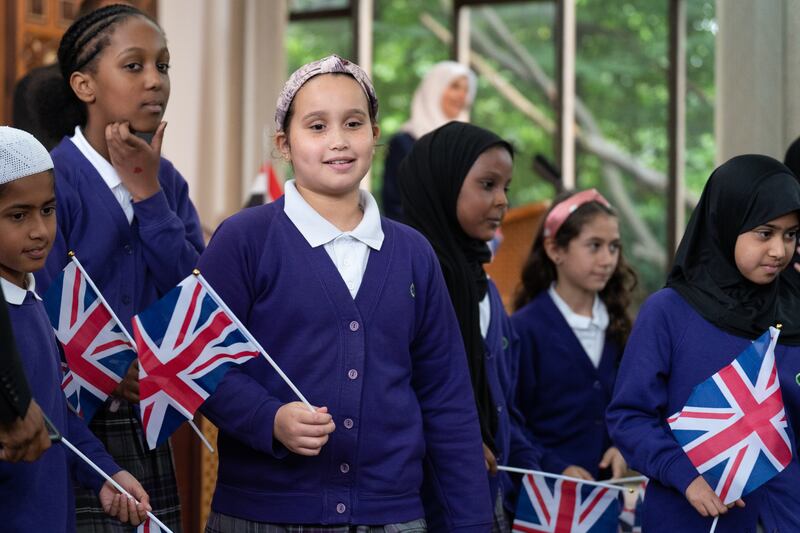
59	108
539	271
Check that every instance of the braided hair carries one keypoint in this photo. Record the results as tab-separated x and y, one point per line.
80	48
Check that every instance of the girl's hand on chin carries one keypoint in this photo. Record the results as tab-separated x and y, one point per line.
134	159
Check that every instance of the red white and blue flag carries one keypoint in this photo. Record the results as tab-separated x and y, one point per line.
186	342
733	426
96	347
562	506
149	526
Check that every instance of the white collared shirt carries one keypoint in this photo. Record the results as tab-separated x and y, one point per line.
590	331
106	171
485	314
14	294
349	250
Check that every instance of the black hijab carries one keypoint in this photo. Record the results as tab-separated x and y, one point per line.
430	179
792	158
745	192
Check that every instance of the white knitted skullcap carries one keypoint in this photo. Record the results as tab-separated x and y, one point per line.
21	155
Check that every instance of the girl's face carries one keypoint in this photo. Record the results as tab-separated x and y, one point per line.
27	224
454	98
763	252
589	260
131	77
331	139
482	202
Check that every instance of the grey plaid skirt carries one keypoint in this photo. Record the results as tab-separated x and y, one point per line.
220	523
121	434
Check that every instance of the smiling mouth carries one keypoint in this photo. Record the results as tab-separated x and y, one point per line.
35	253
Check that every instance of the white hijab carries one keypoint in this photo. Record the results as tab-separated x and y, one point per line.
426	107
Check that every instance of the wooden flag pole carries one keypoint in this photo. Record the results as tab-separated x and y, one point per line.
252	339
110	480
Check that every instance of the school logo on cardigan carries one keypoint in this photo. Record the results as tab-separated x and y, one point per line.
413	291
559	505
733	426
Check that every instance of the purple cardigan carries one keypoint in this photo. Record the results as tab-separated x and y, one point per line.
389	365
132	264
38	496
672	349
561	394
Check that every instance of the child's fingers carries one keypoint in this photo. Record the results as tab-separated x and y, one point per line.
113	509
737	503
158	138
124	504
311	443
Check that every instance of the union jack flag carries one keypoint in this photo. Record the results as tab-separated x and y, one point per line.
733	426
97	349
149	526
562	506
186	342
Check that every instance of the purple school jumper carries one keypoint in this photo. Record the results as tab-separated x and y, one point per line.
38	496
560	393
389	365
672	349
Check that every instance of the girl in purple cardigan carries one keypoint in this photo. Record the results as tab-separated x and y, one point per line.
731	280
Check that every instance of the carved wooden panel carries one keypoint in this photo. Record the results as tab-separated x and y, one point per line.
30	37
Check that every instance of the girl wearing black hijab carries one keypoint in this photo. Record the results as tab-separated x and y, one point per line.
731	280
453	186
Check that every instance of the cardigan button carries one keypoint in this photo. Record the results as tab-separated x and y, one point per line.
341	508
354	326
348	423
352	373
344	468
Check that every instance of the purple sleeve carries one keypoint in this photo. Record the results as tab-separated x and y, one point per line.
637	414
240	406
455	464
172	240
83	439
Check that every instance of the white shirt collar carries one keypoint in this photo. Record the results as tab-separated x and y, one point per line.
103	167
318	231
599	318
15	295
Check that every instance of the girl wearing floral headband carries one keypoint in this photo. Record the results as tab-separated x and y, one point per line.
571	316
353	307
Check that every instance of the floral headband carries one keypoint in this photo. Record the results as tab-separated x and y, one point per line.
564	209
327	65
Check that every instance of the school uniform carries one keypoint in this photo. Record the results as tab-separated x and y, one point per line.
670	351
561	392
514	447
382	351
38	496
134	253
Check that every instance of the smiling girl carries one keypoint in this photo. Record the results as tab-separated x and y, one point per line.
352	306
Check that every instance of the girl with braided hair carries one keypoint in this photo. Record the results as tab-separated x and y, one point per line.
124	210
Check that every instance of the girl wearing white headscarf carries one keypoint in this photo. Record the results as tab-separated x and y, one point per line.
446	93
